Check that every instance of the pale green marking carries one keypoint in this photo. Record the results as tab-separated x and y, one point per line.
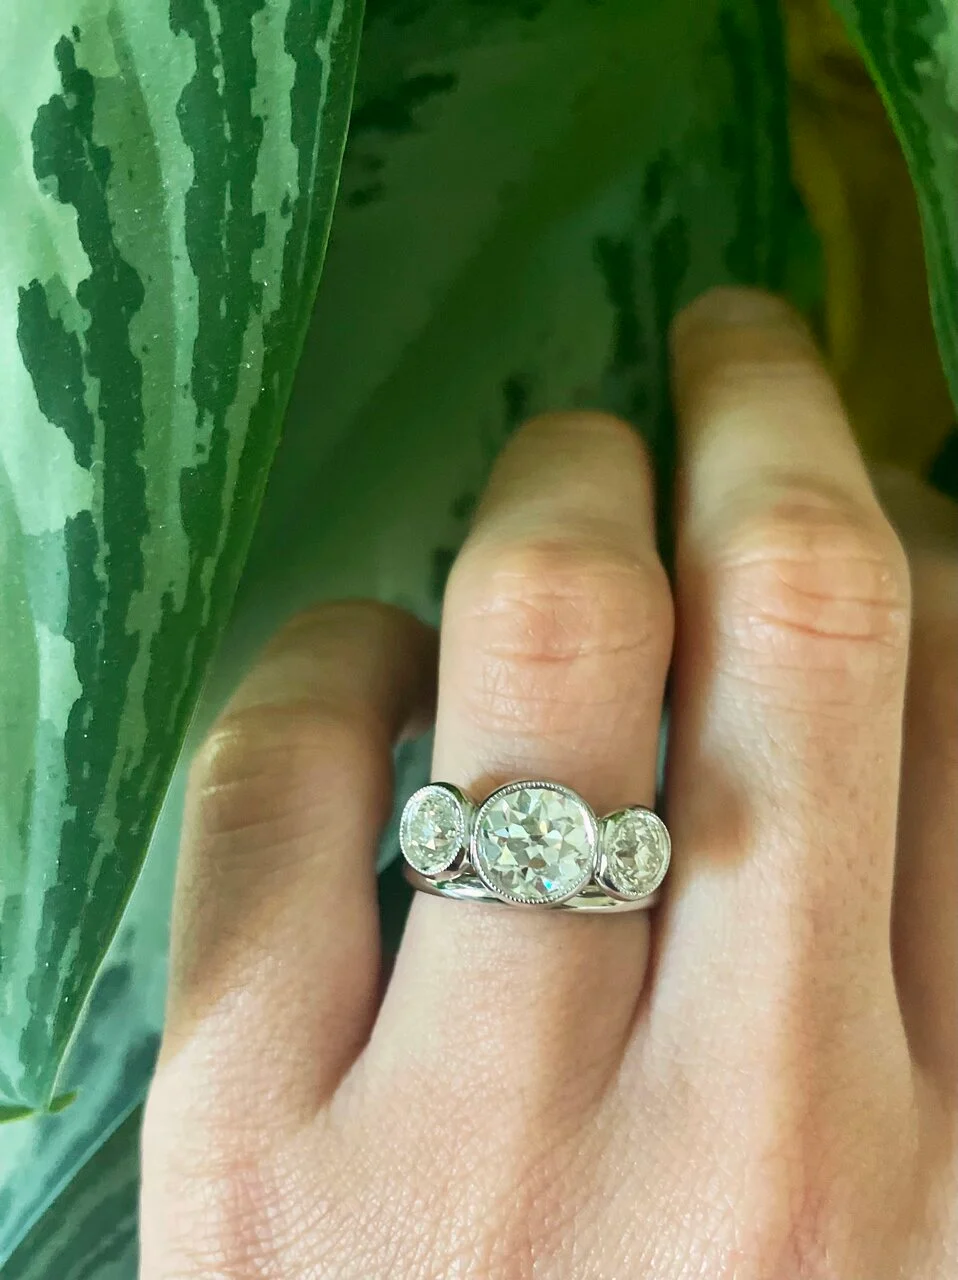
47	819
945	45
216	31
18	697
26	435
324	49
59	684
277	171
95	49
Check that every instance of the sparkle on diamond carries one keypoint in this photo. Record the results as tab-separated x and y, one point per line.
431	831
534	845
636	848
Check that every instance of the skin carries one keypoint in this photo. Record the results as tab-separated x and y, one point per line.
757	1080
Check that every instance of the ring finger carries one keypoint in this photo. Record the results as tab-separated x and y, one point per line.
556	638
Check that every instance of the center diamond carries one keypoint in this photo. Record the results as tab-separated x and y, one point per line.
534	843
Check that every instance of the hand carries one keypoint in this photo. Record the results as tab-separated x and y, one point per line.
759	1079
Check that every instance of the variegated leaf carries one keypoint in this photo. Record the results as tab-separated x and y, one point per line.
169	172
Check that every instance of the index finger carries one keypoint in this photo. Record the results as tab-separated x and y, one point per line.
275	958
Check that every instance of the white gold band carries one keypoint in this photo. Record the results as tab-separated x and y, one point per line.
471	889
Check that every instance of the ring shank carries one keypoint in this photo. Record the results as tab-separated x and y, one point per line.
467	888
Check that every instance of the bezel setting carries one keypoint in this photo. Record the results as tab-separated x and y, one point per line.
479	861
459	807
610	874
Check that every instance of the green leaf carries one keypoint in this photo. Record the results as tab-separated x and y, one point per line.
59	1103
89	1232
62	1101
9	1114
911	47
169	173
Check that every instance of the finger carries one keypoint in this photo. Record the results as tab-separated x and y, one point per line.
555	643
275	969
925	923
789	686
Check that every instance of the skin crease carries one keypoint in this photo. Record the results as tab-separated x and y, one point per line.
757	1081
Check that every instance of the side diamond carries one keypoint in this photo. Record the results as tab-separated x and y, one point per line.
433	829
636	850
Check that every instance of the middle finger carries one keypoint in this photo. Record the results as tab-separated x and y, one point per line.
556	638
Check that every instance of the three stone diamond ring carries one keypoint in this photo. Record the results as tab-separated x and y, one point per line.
533	843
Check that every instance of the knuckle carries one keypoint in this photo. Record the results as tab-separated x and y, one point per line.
556	623
812	582
273	765
557	601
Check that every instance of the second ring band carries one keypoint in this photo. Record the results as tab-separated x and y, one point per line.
533	843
